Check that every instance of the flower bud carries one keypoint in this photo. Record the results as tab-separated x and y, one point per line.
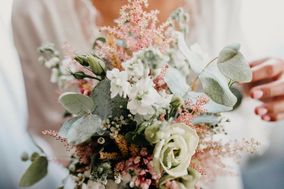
79	75
176	102
34	156
151	133
82	59
25	156
97	65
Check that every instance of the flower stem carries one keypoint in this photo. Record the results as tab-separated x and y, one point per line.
193	85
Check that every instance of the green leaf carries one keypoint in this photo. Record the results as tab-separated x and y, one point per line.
176	82
211	119
83	129
211	106
233	64
106	106
216	87
138	139
36	171
67	126
76	103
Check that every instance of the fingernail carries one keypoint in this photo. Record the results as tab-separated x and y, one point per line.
266	118
261	111
257	94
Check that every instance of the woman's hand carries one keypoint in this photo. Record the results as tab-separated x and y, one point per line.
268	87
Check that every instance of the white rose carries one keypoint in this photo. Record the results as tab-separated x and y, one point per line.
185	182
173	152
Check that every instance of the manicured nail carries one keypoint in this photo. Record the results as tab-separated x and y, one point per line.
266	118
257	94
261	111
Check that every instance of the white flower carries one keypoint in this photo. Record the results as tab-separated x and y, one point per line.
119	83
52	62
54	75
144	99
185	182
173	152
134	68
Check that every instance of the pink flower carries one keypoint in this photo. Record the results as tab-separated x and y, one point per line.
143	152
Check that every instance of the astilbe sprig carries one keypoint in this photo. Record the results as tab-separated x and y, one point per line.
135	29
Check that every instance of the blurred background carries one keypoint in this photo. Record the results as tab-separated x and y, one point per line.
262	28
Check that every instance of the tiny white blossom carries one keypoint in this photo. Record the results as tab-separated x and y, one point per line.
54	75
52	62
119	83
135	69
144	99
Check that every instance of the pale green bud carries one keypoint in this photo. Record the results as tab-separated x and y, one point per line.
151	133
97	65
25	156
176	102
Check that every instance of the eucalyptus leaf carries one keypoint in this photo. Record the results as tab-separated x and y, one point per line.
211	119
106	106
83	129
67	126
233	64
216	87
176	82
211	106
36	171
76	103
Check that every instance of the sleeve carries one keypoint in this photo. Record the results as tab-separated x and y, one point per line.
14	139
34	23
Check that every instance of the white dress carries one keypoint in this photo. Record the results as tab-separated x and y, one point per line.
39	21
14	139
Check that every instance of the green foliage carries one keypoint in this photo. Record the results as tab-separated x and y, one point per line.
25	156
34	156
66	126
214	76
76	103
36	171
211	119
211	106
180	19
83	129
106	106
137	136
97	65
216	87
233	64
176	82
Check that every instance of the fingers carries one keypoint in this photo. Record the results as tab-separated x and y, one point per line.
268	86
257	62
269	90
271	111
267	70
273	117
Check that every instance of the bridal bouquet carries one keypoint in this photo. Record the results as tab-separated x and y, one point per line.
143	108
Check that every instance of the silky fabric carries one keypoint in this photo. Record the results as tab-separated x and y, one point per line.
14	139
